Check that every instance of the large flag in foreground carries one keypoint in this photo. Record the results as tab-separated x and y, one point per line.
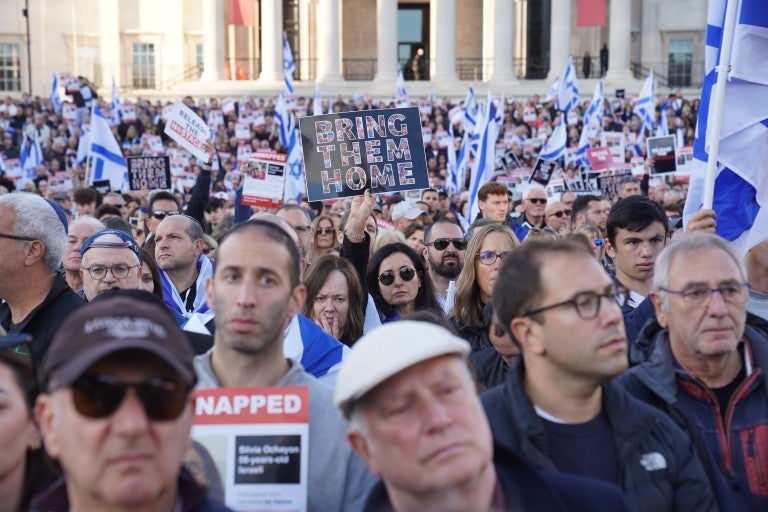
107	162
741	182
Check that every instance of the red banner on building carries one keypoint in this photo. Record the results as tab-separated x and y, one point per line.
242	12
591	13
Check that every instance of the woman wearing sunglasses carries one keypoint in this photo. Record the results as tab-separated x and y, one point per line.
486	250
399	283
23	471
323	238
335	299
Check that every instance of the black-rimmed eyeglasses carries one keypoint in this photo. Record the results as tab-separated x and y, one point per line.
586	304
734	293
119	271
17	237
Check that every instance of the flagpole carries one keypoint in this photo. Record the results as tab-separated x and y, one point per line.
713	133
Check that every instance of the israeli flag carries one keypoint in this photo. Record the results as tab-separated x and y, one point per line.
317	104
289	65
452	181
284	121
555	146
107	162
645	107
116	106
295	181
741	183
552	93
55	98
470	111
30	156
592	124
401	95
485	162
567	89
663	128
83	145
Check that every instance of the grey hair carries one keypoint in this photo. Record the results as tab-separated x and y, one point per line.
689	245
527	193
36	218
89	221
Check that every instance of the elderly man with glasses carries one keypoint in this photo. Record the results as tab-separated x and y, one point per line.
33	236
110	259
116	411
558	216
706	366
559	406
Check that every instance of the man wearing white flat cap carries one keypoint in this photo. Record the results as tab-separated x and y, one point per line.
417	423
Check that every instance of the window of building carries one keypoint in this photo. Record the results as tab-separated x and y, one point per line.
680	58
412	40
10	71
199	59
143	65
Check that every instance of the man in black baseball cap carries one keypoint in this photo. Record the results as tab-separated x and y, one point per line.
116	409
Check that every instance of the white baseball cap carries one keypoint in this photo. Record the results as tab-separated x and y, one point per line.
407	210
388	350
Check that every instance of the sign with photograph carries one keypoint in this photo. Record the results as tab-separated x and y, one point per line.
264	173
661	150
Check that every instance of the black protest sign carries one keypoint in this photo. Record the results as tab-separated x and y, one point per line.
542	171
662	152
102	186
152	172
350	152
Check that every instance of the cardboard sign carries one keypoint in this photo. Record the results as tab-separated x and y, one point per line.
129	114
69	112
426	134
228	106
350	152
684	160
264	173
425	107
661	150
215	117
13	168
444	139
456	115
638	166
529	114
600	158
244	151
186	128
258	441
149	172
155	142
616	141
242	131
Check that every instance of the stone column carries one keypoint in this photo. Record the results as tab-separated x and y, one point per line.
559	38
442	40
619	34
386	39
271	41
304	42
109	43
650	41
328	42
213	40
503	37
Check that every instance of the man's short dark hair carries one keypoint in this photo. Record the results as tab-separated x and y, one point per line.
634	213
521	275
273	232
581	204
492	188
162	194
86	195
428	229
427	190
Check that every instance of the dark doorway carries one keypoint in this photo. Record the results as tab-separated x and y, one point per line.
413	40
537	56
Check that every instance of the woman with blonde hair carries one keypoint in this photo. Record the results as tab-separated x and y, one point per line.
324	242
486	250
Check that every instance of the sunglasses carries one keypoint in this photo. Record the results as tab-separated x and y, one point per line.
325	231
537	200
442	243
388	277
161	214
559	213
99	396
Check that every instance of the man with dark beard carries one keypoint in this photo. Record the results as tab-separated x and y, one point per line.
444	246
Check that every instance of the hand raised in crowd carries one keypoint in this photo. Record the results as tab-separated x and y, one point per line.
361	209
703	221
210	150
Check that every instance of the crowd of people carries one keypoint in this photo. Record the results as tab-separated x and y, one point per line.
620	358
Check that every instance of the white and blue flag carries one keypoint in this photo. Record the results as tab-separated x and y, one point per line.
567	89
401	95
295	183
30	156
317	104
741	183
470	111
55	98
592	125
289	65
645	107
485	161
663	128
555	145
107	162
284	120
116	106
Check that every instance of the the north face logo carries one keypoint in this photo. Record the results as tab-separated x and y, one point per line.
653	461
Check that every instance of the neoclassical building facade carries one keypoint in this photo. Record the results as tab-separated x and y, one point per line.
172	47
